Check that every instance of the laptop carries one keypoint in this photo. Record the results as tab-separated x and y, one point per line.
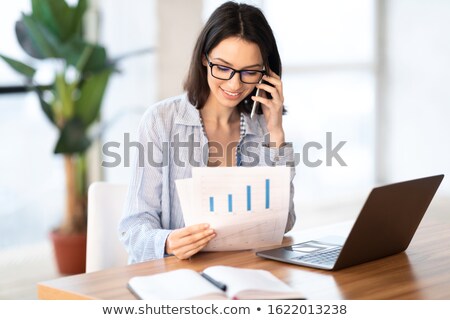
385	226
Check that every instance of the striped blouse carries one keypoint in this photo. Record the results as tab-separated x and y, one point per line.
173	141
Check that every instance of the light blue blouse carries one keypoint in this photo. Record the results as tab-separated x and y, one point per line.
173	142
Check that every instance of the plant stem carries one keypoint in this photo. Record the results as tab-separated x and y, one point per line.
76	198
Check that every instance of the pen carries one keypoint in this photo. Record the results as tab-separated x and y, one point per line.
218	284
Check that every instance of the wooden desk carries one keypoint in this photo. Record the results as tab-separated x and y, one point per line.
422	272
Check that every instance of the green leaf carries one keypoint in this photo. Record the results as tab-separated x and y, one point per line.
77	18
20	67
26	42
54	15
61	19
42	39
41	11
38	8
64	93
84	57
98	61
48	111
87	107
73	138
74	50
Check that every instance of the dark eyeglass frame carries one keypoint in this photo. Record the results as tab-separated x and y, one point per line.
234	71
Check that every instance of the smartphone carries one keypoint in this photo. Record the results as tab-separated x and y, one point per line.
255	103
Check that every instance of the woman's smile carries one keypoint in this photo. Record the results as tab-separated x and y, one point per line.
233	95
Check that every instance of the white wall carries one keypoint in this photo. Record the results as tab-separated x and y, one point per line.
179	24
417	90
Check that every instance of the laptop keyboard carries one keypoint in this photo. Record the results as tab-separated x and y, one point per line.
323	257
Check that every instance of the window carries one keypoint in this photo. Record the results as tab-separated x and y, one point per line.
328	53
132	91
32	177
327	49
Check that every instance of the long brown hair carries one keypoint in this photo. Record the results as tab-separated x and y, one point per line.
230	20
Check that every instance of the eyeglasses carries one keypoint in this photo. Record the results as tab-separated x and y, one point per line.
226	73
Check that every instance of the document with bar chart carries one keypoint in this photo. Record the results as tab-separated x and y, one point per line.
247	207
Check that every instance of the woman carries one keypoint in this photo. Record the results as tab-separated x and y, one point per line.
234	52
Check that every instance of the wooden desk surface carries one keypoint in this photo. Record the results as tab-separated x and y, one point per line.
421	272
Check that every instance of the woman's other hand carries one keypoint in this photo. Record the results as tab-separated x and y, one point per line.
185	242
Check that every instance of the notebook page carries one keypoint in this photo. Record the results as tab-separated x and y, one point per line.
174	285
251	283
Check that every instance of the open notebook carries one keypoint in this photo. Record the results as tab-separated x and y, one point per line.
188	284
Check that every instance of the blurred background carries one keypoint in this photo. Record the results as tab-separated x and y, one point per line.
374	73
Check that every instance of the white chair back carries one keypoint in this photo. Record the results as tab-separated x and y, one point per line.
105	205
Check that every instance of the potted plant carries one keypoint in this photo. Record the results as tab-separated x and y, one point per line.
53	32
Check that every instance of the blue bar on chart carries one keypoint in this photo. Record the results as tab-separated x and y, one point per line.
211	204
230	203
249	198
267	193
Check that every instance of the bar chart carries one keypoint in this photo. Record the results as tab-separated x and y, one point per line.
225	191
248	198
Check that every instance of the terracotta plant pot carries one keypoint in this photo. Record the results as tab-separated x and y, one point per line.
70	252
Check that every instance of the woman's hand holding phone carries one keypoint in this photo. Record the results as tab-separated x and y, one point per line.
272	108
